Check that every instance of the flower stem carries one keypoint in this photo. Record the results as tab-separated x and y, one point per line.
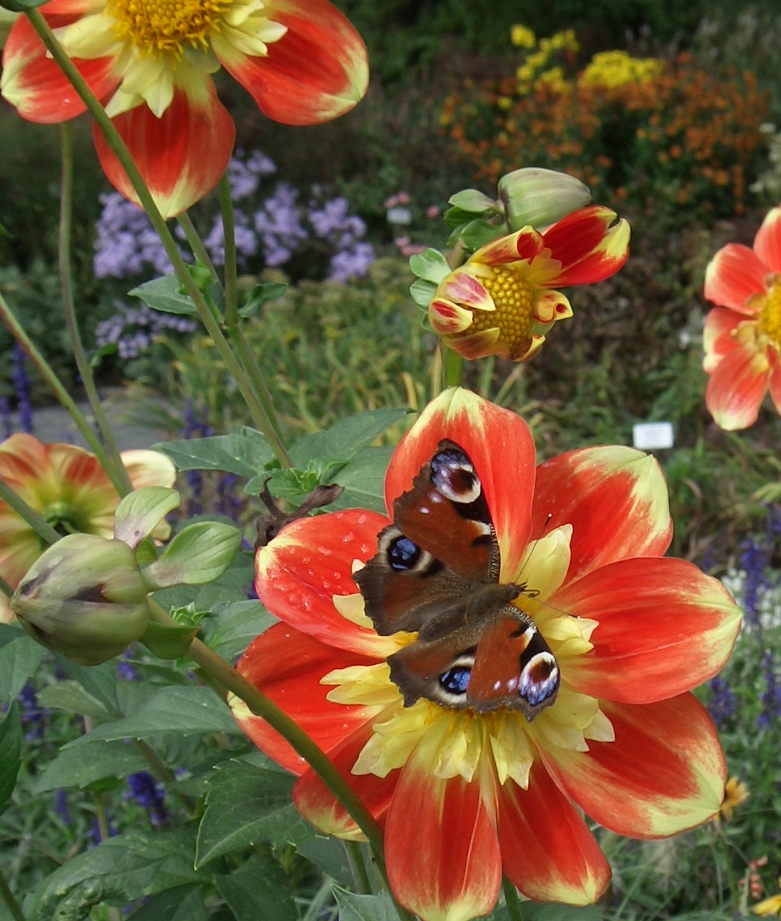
115	142
10	900
511	900
452	367
355	854
196	243
41	527
117	472
45	370
5	588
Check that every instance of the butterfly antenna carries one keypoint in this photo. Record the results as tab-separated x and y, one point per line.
532	592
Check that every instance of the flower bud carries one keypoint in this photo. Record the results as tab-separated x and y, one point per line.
84	597
540	197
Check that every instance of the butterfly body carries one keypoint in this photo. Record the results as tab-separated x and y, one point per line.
436	572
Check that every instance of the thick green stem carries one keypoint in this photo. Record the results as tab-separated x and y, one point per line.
41	527
362	876
511	900
452	367
196	243
10	900
45	370
117	145
117	473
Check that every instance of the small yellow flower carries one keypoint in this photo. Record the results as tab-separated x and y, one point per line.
771	906
735	793
522	37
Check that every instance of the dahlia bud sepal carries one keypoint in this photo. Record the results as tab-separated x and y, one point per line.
430	268
84	597
141	511
198	554
168	641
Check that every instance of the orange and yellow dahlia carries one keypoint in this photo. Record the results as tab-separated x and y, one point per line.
66	486
150	63
742	337
502	300
464	796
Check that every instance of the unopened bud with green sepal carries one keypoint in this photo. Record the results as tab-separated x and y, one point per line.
534	197
84	597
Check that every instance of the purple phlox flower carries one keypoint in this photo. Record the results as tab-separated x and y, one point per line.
722	702
352	262
126	242
771	698
244	174
31	715
279	224
245	237
134	329
126	671
228	502
753	561
150	794
6	417
94	834
21	382
61	805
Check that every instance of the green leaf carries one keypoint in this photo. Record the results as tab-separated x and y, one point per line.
164	294
245	805
19	6
200	553
83	765
422	292
260	295
20	657
244	454
364	480
342	441
121	869
139	513
10	752
330	855
554	911
473	202
477	233
430	265
353	907
99	681
168	641
259	889
184	903
180	709
233	626
71	697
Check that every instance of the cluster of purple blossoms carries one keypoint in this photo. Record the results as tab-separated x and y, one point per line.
134	328
150	794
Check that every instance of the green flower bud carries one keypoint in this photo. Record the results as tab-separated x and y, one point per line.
540	197
84	597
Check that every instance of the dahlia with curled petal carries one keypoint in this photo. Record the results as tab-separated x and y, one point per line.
464	796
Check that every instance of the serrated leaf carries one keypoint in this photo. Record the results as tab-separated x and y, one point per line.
422	292
124	868
233	626
71	697
354	907
343	441
20	657
200	553
259	889
163	294
243	454
364	480
430	265
78	767
245	805
100	681
10	752
184	903
185	710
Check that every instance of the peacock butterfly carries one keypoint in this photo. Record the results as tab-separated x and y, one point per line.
436	572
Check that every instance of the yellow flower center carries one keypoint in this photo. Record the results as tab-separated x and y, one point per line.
514	299
166	26
769	322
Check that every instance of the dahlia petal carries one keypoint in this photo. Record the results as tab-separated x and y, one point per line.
732	276
463	288
767	243
148	468
316	72
550	306
55	9
36	86
652	615
317	803
288	666
445	864
717	338
774	382
524	244
22	457
476	345
499	445
310	562
180	155
614	497
736	388
663	774
587	247
446	317
548	851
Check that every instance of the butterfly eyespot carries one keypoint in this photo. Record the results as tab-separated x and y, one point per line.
403	554
455	680
454	476
539	679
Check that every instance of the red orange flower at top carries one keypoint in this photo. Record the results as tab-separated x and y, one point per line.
463	795
150	63
742	337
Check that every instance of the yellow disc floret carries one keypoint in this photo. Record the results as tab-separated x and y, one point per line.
514	314
167	26
769	322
